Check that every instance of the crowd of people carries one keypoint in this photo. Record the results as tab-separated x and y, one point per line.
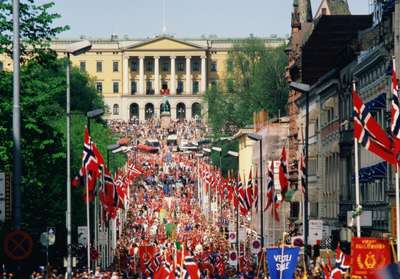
190	130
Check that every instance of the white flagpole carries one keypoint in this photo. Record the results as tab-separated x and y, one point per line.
397	191
357	181
88	222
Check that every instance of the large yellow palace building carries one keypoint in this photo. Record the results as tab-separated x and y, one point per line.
133	75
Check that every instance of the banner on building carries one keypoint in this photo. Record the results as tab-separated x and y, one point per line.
282	260
369	255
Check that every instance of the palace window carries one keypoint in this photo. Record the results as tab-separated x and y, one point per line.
116	109
196	66
195	87
115	66
213	67
133	87
82	66
179	89
115	86
149	88
99	87
99	66
134	66
149	66
181	66
165	67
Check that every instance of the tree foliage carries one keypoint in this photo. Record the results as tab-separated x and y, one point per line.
36	29
255	80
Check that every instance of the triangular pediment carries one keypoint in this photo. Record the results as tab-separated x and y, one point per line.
164	43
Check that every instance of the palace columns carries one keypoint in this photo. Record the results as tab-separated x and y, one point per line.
156	75
141	75
203	82
188	76
173	76
125	71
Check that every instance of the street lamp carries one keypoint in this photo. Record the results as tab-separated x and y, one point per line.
219	150
74	49
111	147
258	138
236	155
305	89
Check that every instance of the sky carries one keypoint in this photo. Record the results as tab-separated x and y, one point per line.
184	18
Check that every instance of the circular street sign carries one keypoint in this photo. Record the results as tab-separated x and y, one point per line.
17	245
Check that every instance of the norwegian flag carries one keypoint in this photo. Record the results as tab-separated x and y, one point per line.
90	165
192	268
255	191
369	122
342	264
133	170
270	186
249	190
395	111
368	132
244	204
283	173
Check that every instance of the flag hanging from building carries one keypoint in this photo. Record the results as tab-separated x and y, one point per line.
270	185
395	112
369	133
283	173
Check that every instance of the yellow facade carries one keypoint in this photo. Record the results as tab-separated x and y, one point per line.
131	74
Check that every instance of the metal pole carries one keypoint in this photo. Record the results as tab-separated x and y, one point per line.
219	194
16	117
261	198
358	186
305	225
237	223
88	209
357	179
69	241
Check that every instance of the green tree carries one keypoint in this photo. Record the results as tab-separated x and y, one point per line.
255	80
36	27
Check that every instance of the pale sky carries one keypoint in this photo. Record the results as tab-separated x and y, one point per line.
184	18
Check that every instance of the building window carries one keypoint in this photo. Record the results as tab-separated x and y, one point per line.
149	66
133	87
99	87
213	67
116	109
115	87
165	67
195	87
179	89
196	66
82	66
134	66
99	66
149	88
115	66
181	66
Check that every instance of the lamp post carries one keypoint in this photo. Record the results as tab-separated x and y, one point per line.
219	150
90	115
305	89
258	138
208	150
74	49
236	155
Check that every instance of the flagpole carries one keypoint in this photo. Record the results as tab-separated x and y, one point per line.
87	222
397	184
357	181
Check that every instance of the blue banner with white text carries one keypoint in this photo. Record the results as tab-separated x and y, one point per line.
282	260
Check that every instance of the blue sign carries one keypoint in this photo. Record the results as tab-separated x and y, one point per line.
282	260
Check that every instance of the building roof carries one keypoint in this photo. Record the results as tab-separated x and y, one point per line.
242	132
330	44
114	43
335	7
